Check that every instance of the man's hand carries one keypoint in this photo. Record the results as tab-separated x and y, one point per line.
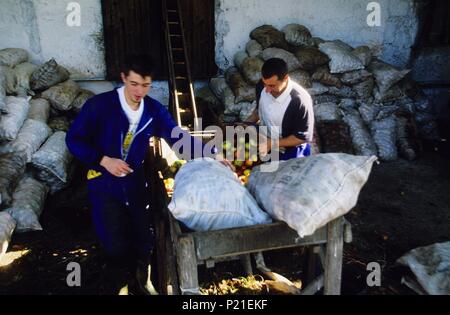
265	145
116	167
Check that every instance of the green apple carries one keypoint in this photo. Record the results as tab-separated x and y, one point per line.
238	163
226	145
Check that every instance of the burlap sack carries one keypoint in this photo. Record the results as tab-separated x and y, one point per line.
268	36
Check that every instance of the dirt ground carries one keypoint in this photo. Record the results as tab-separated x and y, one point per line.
404	205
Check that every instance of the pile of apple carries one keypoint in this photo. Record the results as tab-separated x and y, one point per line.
243	155
169	175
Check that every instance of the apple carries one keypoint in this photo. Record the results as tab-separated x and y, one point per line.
226	145
169	183
247	172
249	163
243	179
238	163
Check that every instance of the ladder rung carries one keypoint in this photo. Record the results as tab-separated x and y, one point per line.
183	97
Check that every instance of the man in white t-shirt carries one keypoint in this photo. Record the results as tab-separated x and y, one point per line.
286	109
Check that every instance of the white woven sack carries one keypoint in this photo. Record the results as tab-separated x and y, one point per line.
208	196
307	193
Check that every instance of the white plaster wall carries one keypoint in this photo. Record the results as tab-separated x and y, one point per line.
329	19
40	27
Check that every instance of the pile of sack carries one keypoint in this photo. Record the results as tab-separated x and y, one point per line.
37	105
358	99
306	193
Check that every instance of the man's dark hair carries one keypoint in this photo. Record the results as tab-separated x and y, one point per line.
140	63
274	66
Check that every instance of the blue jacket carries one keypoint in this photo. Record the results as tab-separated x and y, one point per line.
101	126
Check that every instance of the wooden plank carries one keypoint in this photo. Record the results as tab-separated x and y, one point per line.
172	283
246	264
187	266
199	29
133	26
251	239
314	286
154	190
333	258
137	26
311	264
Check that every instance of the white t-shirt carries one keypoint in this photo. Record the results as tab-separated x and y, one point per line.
134	117
272	110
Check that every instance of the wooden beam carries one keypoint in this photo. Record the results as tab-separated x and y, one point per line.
314	286
187	266
251	239
333	258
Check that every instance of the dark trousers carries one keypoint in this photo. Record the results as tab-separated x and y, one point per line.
122	220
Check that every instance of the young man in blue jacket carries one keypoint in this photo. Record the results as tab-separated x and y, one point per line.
111	136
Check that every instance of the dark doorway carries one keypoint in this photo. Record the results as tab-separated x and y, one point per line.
434	23
136	26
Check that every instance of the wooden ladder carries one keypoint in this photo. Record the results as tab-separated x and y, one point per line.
182	99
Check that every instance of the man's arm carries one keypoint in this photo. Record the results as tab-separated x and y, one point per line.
291	141
79	142
288	142
79	136
179	138
253	118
